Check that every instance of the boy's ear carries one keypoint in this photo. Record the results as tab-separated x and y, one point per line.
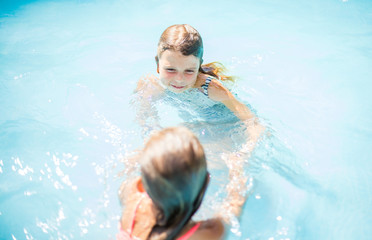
140	186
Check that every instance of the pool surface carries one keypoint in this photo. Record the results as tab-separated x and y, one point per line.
67	112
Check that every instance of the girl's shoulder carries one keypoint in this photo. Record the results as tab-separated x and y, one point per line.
217	91
125	188
130	192
137	208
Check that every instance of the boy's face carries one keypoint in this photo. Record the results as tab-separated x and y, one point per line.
178	72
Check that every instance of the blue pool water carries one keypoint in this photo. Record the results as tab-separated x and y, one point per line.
67	72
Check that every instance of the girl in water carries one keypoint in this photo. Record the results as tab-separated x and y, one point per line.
180	66
160	203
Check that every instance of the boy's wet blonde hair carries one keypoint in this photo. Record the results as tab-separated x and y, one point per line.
174	174
187	40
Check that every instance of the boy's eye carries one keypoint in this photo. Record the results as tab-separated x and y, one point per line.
170	70
190	71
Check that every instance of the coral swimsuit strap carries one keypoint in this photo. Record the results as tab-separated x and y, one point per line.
190	232
134	215
127	235
184	237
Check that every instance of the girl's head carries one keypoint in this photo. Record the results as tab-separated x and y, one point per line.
179	57
181	38
174	175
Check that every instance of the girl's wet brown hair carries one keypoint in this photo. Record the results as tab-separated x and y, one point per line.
174	174
187	40
182	38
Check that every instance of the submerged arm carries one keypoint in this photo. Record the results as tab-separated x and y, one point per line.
238	182
218	92
254	128
237	186
238	108
147	91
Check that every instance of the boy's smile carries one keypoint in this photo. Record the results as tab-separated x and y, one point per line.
177	71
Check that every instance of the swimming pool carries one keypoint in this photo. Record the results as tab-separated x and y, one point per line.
67	71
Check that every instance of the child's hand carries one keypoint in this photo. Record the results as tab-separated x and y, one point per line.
237	186
148	87
254	130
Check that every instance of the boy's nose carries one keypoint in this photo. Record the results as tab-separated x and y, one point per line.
179	77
